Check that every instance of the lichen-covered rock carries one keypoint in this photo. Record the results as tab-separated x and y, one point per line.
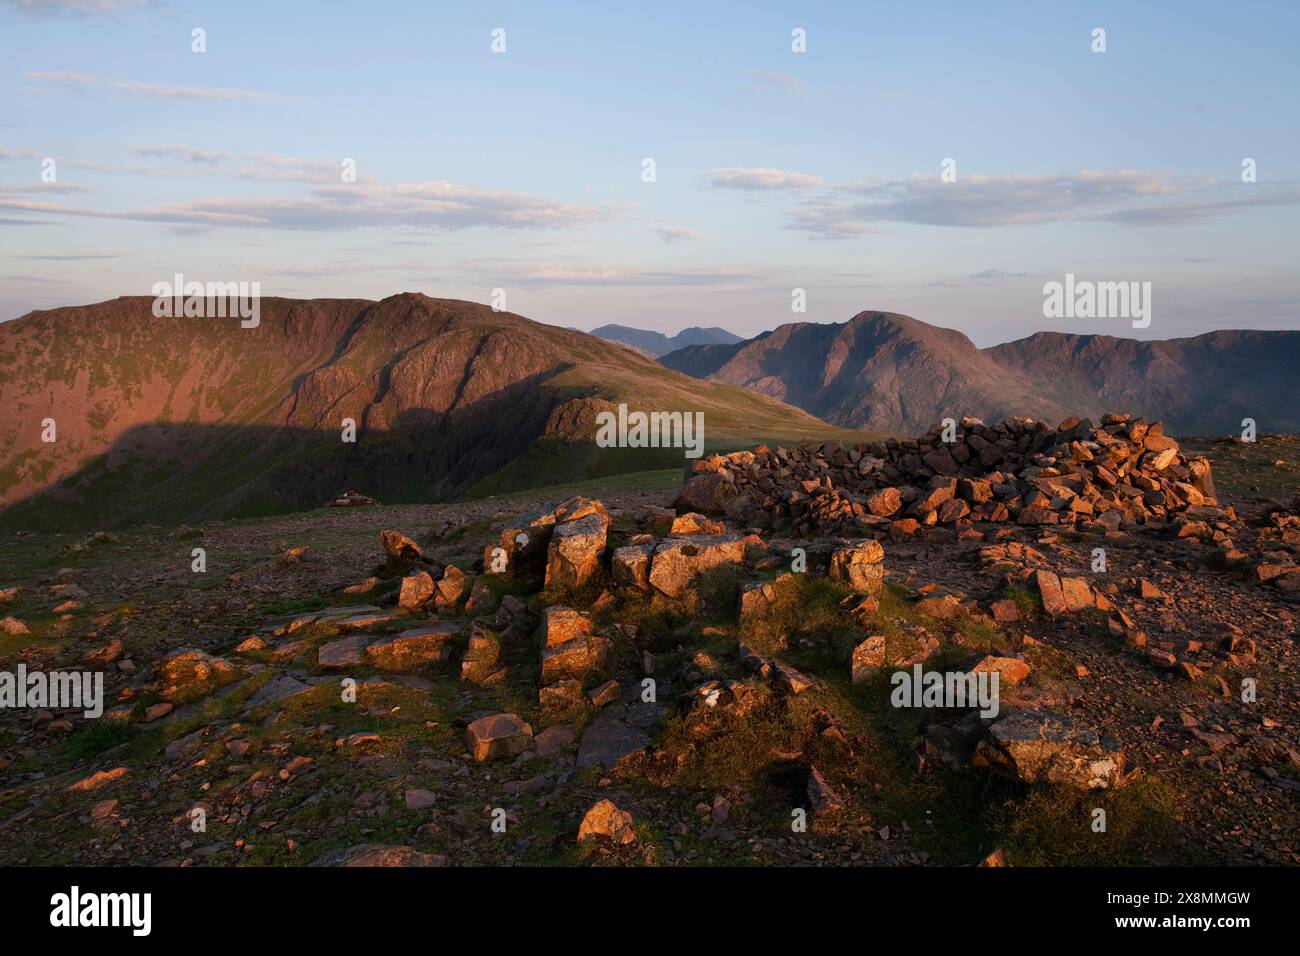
677	562
868	658
573	555
574	658
629	566
416	590
1040	746
860	565
190	673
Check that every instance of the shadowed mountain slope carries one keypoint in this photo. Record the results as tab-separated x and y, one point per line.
184	419
894	373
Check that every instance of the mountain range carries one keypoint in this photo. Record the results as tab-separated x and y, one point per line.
894	373
181	419
656	344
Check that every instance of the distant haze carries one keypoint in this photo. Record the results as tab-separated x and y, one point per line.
774	171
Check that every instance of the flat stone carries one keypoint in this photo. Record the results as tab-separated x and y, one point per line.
414	648
344	652
608	740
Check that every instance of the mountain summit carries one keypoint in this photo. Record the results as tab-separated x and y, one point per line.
178	419
656	344
894	373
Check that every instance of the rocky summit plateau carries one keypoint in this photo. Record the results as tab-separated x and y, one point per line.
729	662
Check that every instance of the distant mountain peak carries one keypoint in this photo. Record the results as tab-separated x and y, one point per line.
895	373
656	344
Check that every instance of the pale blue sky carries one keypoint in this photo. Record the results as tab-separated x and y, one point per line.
775	169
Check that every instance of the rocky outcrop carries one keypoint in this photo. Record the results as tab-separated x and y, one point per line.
1121	473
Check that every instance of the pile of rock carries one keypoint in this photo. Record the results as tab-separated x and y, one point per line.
1122	473
570	651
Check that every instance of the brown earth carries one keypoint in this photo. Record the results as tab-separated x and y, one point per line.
758	713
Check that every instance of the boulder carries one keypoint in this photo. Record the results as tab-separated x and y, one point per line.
481	655
630	567
414	648
498	736
884	502
860	565
573	555
416	590
1041	746
677	562
707	493
868	658
574	659
606	821
561	624
399	547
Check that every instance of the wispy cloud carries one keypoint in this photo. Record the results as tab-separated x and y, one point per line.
676	234
761	179
622	276
84	81
72	256
186	154
36	186
1125	196
45	8
258	166
437	204
988	274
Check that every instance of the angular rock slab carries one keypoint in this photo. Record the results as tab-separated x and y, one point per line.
1040	746
497	736
678	562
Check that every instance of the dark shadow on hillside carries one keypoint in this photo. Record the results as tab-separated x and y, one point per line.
172	473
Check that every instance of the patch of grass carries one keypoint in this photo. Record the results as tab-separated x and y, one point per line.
96	737
1027	601
1052	826
808	605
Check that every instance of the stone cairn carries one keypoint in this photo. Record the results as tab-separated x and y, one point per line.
1122	473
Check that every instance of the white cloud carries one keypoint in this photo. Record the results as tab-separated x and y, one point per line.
676	234
438	204
760	179
81	7
187	154
83	81
73	256
1125	196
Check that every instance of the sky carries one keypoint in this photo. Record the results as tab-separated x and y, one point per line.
524	169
